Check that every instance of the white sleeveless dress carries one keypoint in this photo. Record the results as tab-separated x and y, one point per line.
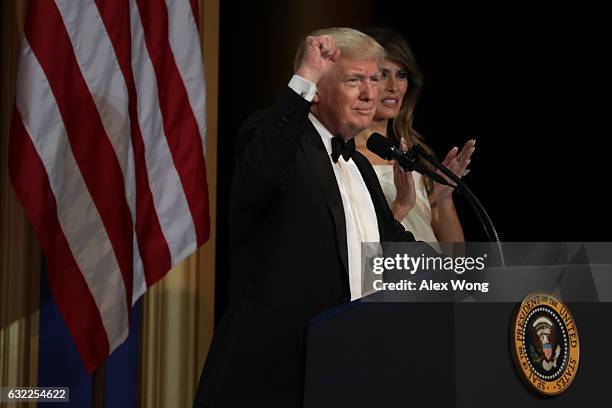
418	220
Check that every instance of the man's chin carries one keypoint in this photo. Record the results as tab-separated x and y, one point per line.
353	131
363	123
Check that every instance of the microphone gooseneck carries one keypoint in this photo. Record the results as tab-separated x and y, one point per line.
408	160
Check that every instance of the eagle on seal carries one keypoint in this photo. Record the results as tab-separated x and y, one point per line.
544	337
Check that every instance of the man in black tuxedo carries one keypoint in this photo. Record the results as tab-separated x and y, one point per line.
302	201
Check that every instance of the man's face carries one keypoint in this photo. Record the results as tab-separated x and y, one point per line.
346	97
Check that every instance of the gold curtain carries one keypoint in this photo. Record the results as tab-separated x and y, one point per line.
19	250
178	316
178	312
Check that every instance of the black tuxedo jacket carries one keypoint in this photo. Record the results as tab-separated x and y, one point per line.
289	257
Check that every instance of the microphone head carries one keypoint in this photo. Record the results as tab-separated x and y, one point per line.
380	145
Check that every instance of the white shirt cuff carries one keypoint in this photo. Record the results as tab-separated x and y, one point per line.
303	87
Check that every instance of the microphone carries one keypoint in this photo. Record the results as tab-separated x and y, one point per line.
408	160
380	145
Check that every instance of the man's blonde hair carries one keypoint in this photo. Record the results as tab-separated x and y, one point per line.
353	44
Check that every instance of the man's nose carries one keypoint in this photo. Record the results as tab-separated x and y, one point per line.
369	90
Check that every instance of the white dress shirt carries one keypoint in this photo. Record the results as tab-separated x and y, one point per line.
359	212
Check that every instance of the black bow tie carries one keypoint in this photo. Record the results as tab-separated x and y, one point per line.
340	148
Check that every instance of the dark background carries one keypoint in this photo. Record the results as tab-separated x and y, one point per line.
527	82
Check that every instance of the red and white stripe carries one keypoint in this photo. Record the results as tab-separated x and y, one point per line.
107	153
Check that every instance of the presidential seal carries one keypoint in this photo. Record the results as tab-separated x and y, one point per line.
544	343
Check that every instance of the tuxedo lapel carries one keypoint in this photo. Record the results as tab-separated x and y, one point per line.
378	197
323	175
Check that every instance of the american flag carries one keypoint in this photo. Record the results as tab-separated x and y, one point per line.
107	153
